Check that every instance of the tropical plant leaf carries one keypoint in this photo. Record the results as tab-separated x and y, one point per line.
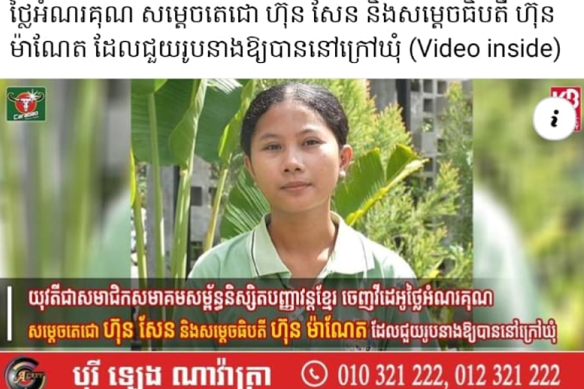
228	142
174	116
173	101
222	101
132	178
432	274
400	158
367	183
381	193
227	147
180	238
244	209
144	87
364	178
182	138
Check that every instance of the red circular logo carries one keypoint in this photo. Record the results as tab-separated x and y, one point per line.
26	102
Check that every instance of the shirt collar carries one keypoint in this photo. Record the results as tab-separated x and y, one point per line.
349	255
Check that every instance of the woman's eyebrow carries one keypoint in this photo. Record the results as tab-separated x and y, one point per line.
268	135
272	135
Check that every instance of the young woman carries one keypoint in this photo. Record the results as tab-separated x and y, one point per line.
294	137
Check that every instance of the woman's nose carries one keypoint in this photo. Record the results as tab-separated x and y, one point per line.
292	161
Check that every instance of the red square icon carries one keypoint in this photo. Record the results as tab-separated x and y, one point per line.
574	95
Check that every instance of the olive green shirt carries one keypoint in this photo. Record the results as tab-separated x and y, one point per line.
355	263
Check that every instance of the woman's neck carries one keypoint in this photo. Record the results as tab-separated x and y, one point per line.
307	235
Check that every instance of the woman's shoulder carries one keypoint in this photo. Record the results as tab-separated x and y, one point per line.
225	258
386	262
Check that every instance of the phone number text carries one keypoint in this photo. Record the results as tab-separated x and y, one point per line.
451	376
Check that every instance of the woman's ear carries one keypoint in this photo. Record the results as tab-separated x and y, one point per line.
346	157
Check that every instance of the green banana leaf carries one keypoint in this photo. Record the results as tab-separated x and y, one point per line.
230	137
365	178
173	101
174	115
245	207
222	102
400	159
132	178
227	147
144	87
402	163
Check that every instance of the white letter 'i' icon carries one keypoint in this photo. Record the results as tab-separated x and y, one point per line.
554	118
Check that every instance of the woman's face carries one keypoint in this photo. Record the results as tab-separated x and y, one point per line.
295	158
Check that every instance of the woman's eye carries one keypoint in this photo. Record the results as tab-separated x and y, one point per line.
272	147
311	142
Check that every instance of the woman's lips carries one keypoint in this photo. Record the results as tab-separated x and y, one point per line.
295	186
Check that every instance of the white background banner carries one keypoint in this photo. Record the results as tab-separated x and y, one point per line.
291	38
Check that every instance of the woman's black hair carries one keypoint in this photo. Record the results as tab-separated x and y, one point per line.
314	97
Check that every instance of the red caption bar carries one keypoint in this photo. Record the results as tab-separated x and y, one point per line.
257	370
